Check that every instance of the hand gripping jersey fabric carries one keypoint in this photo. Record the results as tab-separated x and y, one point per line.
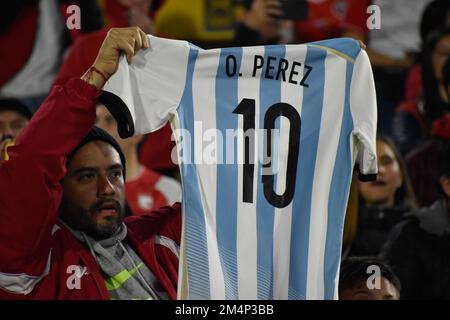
262	213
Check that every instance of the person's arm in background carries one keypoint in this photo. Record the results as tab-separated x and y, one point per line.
401	252
381	60
259	23
30	192
355	26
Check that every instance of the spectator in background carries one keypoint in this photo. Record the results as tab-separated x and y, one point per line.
145	190
382	203
261	24
422	162
36	29
397	40
14	116
121	13
392	47
435	16
325	19
413	121
205	23
418	249
358	281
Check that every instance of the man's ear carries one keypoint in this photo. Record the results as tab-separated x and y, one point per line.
445	184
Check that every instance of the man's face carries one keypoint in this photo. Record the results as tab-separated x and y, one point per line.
94	195
11	124
360	291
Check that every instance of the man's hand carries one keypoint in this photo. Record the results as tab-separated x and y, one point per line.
362	45
266	17
263	12
118	40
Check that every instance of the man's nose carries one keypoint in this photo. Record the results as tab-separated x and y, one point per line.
7	133
105	187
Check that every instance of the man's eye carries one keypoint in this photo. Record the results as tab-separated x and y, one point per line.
116	174
86	177
18	126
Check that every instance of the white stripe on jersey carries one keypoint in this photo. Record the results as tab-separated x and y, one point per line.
292	95
203	84
330	128
246	212
183	287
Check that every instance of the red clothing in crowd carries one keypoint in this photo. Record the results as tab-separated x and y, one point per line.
20	37
330	18
37	251
150	191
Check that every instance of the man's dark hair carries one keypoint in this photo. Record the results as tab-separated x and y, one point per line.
98	133
15	105
354	269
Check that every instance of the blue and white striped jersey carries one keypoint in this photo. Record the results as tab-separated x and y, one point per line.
267	139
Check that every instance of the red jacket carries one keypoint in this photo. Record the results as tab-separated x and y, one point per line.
37	253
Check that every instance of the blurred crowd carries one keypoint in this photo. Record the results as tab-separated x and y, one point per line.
400	222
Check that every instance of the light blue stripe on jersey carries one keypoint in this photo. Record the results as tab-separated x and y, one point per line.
227	174
338	198
196	245
270	93
301	208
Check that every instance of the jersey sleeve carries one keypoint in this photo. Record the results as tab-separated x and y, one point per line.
143	95
363	106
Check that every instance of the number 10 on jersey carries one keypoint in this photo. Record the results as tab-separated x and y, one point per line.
247	109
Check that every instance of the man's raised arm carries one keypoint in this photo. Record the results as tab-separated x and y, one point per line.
30	193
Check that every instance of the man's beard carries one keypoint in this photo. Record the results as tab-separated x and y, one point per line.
83	220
